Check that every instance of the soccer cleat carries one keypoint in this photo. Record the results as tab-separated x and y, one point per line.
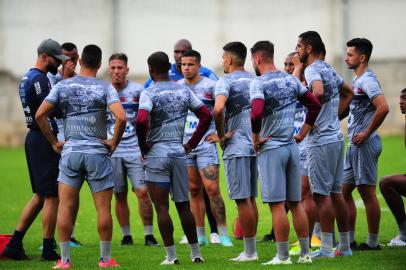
60	265
151	241
109	263
215	238
184	240
397	242
226	241
268	238
294	250
197	259
342	253
127	240
50	256
318	254
170	262
74	243
366	247
315	241
305	259
244	257
202	240
354	245
15	252
277	261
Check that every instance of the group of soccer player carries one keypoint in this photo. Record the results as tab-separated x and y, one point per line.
283	126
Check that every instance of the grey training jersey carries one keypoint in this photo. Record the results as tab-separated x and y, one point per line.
235	86
204	90
327	126
366	88
83	102
280	91
168	104
129	98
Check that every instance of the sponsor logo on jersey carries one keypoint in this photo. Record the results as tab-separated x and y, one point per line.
38	89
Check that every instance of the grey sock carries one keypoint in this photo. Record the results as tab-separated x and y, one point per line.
223	230
170	252
148	230
72	235
105	250
195	250
65	251
372	239
282	250
304	246
316	229
344	243
326	242
402	230
126	230
250	245
352	236
201	231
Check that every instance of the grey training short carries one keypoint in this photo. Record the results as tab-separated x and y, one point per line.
203	156
75	167
279	174
326	164
241	175
361	163
127	166
170	170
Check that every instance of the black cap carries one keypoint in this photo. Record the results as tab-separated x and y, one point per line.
52	48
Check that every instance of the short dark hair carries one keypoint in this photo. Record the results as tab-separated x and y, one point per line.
265	46
238	49
91	56
119	56
193	53
403	92
68	46
362	46
159	61
292	54
323	49
313	39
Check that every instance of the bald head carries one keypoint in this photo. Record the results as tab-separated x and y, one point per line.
181	46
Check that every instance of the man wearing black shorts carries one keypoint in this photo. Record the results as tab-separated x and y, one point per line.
42	161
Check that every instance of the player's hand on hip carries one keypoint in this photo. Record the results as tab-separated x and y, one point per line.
212	138
360	138
111	146
58	146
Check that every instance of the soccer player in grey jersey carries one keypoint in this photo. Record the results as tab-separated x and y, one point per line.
126	160
160	126
394	187
67	71
83	100
368	110
203	162
326	143
274	96
231	113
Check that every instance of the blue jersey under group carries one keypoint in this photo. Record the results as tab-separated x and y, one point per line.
34	88
175	75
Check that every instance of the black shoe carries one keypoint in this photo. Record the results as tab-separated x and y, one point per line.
74	243
197	259
50	256
365	246
15	252
354	246
268	238
127	241
151	241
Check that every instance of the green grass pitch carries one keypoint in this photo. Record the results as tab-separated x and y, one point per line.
15	191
